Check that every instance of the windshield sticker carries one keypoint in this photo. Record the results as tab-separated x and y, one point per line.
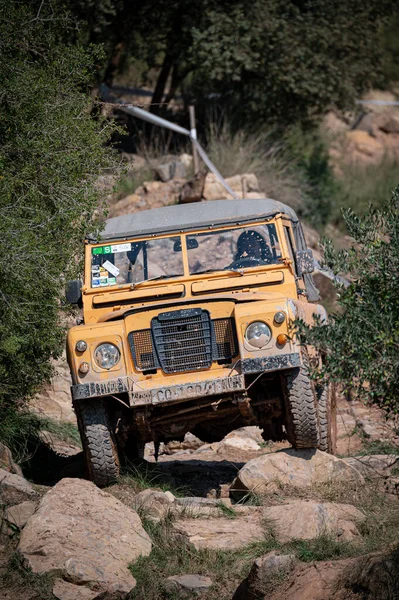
103	281
95	283
111	268
121	248
111	280
112	249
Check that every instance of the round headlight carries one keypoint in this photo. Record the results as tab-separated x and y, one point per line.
81	346
258	334
279	317
107	356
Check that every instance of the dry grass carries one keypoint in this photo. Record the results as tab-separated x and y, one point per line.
239	152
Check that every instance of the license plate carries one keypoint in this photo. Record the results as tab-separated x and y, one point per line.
186	391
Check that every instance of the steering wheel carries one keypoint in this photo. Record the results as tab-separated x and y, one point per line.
246	261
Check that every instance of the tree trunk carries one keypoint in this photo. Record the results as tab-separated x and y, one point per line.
161	83
114	63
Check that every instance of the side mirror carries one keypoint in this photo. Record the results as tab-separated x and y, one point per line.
74	292
304	262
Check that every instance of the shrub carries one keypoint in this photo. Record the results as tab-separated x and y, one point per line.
361	340
51	152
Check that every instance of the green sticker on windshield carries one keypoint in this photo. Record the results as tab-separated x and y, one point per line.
102	250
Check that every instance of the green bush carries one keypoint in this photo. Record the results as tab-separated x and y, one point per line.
361	340
51	153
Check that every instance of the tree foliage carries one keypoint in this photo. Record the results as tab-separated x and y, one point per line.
51	152
361	340
275	60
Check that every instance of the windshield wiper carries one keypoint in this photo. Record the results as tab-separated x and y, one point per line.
235	271
138	283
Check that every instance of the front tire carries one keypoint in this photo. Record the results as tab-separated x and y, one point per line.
302	421
98	440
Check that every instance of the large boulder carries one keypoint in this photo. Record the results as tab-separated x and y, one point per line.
86	536
308	519
14	489
295	468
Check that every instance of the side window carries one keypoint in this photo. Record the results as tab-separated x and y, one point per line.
291	248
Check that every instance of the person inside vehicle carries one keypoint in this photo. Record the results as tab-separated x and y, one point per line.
252	250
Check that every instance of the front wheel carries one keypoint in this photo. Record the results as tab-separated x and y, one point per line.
326	396
302	423
98	440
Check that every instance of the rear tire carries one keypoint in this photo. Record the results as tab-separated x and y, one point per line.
326	396
302	421
98	440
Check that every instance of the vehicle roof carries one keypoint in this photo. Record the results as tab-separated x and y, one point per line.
198	215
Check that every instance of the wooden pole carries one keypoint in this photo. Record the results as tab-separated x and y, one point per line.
193	133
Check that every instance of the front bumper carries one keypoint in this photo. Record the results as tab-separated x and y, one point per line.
234	382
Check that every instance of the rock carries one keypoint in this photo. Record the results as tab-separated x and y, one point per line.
388	123
214	190
190	501
188	586
190	443
153	504
85	535
186	159
333	123
307	520
374	465
54	400
63	590
7	462
127	205
14	489
219	533
319	581
60	447
296	468
365	147
392	486
241	439
262	571
168	171
192	190
19	514
365	123
138	162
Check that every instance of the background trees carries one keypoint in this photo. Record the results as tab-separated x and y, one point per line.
274	60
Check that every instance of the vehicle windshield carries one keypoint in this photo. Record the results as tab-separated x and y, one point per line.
132	262
233	249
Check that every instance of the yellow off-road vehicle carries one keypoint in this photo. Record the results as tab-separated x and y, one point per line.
187	312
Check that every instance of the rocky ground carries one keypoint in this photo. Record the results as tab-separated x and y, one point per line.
237	519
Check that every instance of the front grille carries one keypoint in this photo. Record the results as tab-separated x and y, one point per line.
183	340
